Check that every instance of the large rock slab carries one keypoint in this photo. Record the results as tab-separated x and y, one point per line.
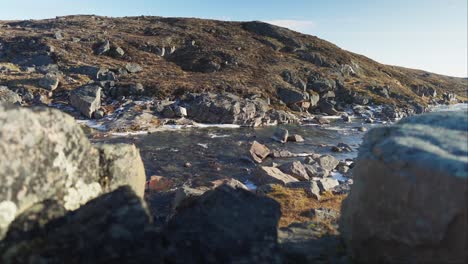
46	155
266	175
408	203
225	225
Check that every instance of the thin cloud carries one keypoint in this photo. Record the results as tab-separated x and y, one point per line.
297	25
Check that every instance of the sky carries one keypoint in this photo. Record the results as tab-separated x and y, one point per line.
422	34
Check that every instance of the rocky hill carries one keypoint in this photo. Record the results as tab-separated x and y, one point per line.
170	57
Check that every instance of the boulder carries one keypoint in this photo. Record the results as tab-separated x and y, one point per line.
327	107
7	96
291	96
50	82
121	164
315	171
225	225
321	85
258	152
112	227
327	162
265	175
225	108
327	184
295	169
86	99
296	138
62	165
103	48
310	187
408	203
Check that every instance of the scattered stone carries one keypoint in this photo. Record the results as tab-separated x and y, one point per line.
50	82
259	152
133	67
408	202
281	135
342	147
86	99
265	175
282	154
58	35
295	169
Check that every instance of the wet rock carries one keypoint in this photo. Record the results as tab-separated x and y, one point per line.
49	81
342	147
266	175
281	135
327	162
295	169
229	216
321	120
116	223
282	154
346	118
7	96
408	164
259	152
370	120
133	67
86	99
295	138
327	184
310	187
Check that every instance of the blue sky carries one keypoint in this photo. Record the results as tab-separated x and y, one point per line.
423	34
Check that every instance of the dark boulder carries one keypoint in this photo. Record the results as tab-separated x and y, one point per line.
225	225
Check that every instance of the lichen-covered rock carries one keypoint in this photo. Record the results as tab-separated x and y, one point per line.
121	164
46	155
114	227
408	203
7	96
225	225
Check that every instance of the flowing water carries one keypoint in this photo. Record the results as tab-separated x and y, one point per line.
205	154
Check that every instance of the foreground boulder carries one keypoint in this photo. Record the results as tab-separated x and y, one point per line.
409	199
46	155
114	227
225	225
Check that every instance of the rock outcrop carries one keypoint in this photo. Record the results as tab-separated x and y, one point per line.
46	155
409	199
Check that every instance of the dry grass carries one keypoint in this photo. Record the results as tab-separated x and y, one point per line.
296	204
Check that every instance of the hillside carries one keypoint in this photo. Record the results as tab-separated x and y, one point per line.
179	55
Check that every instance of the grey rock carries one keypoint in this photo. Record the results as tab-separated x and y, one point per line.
314	171
322	85
327	184
103	48
259	152
266	175
121	165
238	231
50	82
295	169
133	67
314	99
291	96
86	99
327	107
327	162
420	168
7	96
326	215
